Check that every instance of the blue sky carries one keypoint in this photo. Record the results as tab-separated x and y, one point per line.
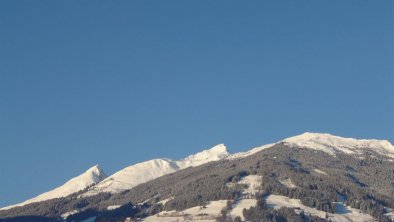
115	83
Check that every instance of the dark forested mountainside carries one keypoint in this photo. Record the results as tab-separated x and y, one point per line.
363	182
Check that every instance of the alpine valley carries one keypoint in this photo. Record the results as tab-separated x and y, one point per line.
309	177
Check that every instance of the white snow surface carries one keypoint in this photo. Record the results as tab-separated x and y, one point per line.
65	215
288	183
198	213
333	144
253	184
320	172
216	153
92	176
165	201
344	213
240	205
134	175
113	207
249	152
327	143
247	199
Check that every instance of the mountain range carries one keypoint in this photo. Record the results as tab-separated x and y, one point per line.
308	177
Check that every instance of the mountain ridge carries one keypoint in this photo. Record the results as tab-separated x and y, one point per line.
120	180
332	144
136	174
142	172
91	176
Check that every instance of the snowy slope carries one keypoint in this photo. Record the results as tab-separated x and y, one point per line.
343	213
334	144
86	179
249	152
198	213
247	199
327	143
131	176
217	152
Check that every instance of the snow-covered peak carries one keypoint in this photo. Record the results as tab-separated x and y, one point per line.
133	175
94	174
90	177
328	143
217	152
332	144
139	173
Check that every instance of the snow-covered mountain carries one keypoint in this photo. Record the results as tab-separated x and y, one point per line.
329	144
92	176
139	173
333	144
131	176
134	175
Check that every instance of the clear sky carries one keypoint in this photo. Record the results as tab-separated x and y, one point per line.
120	82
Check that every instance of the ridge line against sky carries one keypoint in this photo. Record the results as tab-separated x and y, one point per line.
92	82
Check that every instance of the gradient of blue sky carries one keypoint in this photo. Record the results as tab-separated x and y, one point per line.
115	83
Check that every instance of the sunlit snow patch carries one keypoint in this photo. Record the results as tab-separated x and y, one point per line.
199	213
113	207
252	182
165	200
240	205
320	171
69	213
334	144
344	213
247	199
288	183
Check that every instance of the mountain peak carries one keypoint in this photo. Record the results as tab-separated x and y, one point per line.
215	153
332	144
91	176
133	175
219	148
97	166
95	171
94	174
